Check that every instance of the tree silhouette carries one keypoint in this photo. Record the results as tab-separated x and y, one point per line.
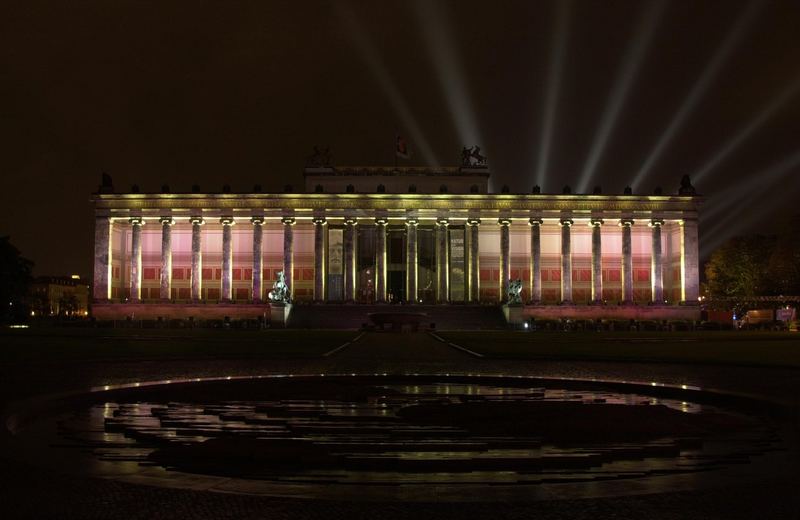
15	279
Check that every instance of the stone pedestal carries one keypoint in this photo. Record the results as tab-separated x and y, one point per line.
279	314
514	314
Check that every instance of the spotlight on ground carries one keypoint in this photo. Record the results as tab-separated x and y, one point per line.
370	56
768	111
645	28
439	37
553	87
696	93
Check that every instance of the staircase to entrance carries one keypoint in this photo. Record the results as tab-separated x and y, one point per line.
354	316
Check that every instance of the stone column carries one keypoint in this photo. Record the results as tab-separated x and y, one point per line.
320	253
411	260
288	253
197	258
442	262
136	258
227	258
597	261
505	257
102	259
627	261
474	290
536	260
258	258
165	291
380	259
350	259
690	272
657	272
566	260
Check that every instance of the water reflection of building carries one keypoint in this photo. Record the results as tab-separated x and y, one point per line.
418	235
59	296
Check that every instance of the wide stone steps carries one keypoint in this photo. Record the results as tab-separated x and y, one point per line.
354	316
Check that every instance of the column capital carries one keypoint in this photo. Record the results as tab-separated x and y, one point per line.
136	221
504	221
473	222
656	222
412	221
288	221
381	221
169	221
626	222
535	221
350	221
197	220
257	220
227	221
443	221
566	222
596	222
319	221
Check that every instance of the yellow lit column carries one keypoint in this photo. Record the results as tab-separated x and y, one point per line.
102	259
319	258
690	271
474	291
656	267
380	259
227	258
627	261
197	257
165	289
288	253
536	260
258	258
597	260
136	258
566	260
411	260
505	257
442	262
350	259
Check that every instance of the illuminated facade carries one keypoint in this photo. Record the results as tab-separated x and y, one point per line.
417	235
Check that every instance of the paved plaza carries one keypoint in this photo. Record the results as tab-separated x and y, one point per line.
28	492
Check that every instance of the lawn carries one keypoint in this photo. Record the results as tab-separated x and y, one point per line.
717	347
54	344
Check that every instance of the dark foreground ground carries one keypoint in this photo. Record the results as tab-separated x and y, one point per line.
39	362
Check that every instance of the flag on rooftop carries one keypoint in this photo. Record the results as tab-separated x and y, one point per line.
402	148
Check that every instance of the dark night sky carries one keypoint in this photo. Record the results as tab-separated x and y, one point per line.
238	92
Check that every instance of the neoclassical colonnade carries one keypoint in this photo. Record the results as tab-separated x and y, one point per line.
441	224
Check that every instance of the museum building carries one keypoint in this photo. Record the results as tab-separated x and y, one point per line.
410	235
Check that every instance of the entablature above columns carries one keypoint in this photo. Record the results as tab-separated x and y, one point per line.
515	206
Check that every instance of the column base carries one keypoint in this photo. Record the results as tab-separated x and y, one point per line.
567	302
